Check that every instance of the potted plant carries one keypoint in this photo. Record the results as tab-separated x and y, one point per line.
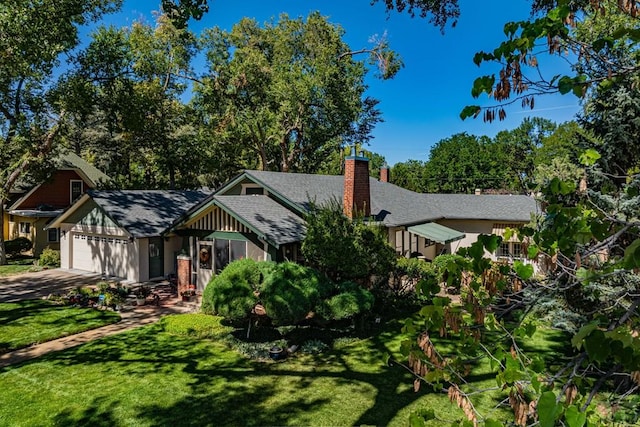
188	294
141	294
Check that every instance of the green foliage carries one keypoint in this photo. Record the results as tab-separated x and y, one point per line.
17	246
197	325
234	291
344	249
350	301
297	82
291	291
49	258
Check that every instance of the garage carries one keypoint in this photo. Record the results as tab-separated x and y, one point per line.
107	255
124	234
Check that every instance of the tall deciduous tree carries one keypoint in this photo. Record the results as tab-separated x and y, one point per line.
33	36
290	93
129	82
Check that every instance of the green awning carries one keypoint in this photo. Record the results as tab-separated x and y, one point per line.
436	232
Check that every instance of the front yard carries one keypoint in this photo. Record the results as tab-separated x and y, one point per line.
149	377
18	265
34	321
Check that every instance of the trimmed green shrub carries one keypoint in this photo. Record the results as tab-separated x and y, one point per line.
351	300
49	258
291	291
16	246
234	292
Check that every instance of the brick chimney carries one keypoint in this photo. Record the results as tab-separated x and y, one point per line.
356	199
384	172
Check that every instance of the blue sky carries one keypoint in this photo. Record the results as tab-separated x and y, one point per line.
421	105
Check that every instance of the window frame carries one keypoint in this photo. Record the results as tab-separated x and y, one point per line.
57	237
24	227
71	193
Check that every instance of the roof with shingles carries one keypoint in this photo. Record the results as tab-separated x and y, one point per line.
146	213
396	206
266	217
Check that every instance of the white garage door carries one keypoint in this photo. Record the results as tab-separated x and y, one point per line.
100	254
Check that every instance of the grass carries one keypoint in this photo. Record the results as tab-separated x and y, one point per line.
35	321
18	265
151	377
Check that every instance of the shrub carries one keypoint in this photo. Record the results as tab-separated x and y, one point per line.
16	246
234	292
291	291
446	263
196	325
351	300
49	258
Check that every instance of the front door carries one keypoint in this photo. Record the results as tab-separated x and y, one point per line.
156	257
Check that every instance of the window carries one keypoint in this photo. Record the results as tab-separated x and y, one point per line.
510	250
25	228
252	189
76	190
53	235
204	257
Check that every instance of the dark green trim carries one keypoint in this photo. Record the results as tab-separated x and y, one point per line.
227	235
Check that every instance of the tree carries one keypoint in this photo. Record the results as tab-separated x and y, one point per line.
463	162
128	85
33	37
289	93
345	249
410	175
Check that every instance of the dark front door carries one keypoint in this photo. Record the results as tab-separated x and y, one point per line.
156	257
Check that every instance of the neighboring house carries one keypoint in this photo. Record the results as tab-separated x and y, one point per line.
32	207
124	234
260	215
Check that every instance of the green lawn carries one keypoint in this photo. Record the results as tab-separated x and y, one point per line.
149	377
35	321
18	265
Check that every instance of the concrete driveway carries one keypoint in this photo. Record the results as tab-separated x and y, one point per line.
42	283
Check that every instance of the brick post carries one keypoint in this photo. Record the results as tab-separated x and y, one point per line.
184	273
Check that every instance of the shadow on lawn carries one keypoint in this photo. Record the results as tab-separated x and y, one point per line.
227	389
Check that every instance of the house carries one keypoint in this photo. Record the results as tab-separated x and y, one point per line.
260	214
124	234
32	207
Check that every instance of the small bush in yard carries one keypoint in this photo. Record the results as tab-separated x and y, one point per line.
16	246
49	258
234	292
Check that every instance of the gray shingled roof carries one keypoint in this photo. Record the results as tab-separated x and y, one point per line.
396	206
146	213
270	219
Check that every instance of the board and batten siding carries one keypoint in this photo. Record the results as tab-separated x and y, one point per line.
217	220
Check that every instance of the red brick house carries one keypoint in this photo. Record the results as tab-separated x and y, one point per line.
32	207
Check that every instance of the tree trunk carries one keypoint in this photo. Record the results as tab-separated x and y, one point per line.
3	253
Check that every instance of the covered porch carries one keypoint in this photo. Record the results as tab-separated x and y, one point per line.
426	240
